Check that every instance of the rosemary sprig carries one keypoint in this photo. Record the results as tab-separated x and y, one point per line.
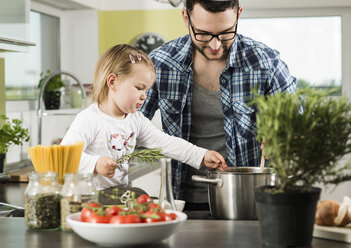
146	155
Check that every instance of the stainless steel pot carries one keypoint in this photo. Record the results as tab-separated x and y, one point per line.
231	193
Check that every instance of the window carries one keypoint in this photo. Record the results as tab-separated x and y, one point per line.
311	46
22	70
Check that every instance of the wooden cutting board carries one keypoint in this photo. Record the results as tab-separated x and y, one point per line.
20	175
333	233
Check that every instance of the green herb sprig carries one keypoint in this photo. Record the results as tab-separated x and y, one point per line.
146	155
11	133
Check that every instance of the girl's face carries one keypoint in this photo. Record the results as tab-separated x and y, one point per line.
128	92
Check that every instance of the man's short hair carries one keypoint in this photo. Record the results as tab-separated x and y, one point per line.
212	5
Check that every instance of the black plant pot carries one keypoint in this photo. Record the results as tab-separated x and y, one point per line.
286	219
2	161
52	99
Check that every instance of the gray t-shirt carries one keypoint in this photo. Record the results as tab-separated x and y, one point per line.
207	130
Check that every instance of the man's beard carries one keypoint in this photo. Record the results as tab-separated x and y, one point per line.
224	56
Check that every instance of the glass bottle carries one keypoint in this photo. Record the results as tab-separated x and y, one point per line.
76	96
77	189
42	201
166	199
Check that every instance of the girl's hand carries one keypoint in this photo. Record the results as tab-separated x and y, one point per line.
105	166
213	160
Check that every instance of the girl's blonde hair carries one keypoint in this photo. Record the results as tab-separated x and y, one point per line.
117	59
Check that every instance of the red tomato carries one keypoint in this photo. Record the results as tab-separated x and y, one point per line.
114	210
125	219
153	206
95	217
86	211
152	216
151	220
173	216
143	199
164	216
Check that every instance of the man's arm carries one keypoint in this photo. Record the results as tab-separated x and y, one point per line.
151	103
280	79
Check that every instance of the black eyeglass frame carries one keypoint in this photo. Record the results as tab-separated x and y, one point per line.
213	35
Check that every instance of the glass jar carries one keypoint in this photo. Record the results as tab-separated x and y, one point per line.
42	201
77	189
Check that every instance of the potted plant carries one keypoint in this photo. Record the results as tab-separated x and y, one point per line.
305	135
11	132
52	91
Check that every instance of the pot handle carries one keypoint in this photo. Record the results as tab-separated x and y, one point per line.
217	181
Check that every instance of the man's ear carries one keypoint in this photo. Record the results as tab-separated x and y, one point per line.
240	11
185	18
111	80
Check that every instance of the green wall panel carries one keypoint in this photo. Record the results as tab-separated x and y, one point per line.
116	27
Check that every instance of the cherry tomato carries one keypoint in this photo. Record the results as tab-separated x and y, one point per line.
173	216
125	219
152	216
153	206
95	217
114	210
88	209
143	199
165	217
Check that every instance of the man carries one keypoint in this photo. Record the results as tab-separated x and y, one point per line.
204	84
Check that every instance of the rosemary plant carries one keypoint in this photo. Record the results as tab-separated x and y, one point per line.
146	155
305	146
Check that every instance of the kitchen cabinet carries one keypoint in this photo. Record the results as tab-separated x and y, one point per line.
14	25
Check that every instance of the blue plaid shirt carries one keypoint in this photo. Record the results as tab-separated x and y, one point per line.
250	65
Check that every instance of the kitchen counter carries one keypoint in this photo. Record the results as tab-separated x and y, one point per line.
193	233
200	230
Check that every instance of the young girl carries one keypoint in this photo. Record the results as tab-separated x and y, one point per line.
112	126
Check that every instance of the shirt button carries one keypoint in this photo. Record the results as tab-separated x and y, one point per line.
226	109
223	80
173	109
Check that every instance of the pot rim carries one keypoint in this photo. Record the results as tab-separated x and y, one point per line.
249	170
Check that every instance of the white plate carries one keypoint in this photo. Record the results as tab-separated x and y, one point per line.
125	234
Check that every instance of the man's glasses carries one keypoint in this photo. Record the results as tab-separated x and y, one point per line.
207	37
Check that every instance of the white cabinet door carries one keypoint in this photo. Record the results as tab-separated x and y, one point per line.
14	25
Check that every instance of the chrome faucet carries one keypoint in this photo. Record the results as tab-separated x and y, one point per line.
40	111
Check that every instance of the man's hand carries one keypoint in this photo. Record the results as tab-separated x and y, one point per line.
105	166
214	160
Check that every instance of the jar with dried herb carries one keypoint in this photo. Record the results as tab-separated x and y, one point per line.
77	189
42	201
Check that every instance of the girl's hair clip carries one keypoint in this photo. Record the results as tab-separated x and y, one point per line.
131	59
138	56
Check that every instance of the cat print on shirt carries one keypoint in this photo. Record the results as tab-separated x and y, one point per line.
120	144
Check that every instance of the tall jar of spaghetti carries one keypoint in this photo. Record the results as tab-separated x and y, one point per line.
42	201
77	189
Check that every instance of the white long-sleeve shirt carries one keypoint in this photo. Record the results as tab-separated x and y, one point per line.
104	135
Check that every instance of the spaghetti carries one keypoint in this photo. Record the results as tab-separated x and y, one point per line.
59	158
